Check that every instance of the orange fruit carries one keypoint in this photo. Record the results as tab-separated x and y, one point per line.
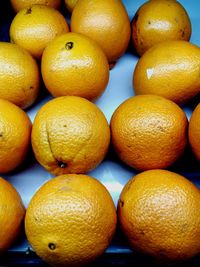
19	75
70	4
75	72
12	214
157	21
194	131
70	135
70	220
106	22
15	135
169	69
20	4
149	132
34	27
158	211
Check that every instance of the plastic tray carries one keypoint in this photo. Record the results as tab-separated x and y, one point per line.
111	172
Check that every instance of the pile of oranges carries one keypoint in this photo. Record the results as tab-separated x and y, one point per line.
71	219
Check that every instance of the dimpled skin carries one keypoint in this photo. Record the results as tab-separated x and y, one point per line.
106	22
157	21
15	136
149	132
12	213
19	75
20	4
159	212
194	131
170	69
70	135
70	220
73	64
34	27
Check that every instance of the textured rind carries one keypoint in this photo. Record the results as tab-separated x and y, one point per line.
70	130
159	212
76	214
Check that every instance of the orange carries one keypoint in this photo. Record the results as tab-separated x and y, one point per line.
194	131
70	135
20	4
78	64
158	211
19	75
169	69
70	4
106	22
70	220
12	214
149	132
15	135
157	21
34	27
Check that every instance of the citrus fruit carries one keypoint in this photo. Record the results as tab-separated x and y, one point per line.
70	4
157	21
12	214
158	211
70	220
149	132
78	64
194	131
19	75
15	135
169	69
20	4
34	27
106	22
70	135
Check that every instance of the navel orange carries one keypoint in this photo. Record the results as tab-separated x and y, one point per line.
70	220
78	64
157	21
149	132
19	75
12	213
106	22
159	213
70	135
34	27
169	69
15	136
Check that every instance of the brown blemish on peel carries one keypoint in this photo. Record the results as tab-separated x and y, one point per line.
28	11
62	164
69	45
52	246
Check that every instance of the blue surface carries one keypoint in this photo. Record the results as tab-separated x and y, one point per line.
111	172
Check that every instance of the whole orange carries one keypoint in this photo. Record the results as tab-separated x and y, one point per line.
19	75
20	4
15	136
34	27
78	64
194	131
12	213
70	135
159	213
157	21
169	69
70	220
106	22
149	132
